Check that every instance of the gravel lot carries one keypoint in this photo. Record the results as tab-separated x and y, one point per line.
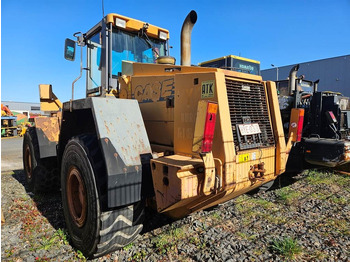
305	218
310	216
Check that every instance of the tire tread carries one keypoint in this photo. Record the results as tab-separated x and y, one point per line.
117	227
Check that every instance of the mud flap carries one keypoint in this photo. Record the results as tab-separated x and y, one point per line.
47	130
123	139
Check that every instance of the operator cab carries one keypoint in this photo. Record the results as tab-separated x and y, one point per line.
303	86
113	40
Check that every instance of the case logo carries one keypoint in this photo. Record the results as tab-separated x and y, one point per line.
207	90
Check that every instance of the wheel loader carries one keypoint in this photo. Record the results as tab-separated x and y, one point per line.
176	138
326	131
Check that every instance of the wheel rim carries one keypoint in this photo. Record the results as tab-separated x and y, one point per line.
28	162
76	196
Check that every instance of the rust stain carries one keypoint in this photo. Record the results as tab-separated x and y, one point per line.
115	155
49	126
106	140
106	126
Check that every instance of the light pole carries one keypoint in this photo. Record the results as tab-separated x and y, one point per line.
276	70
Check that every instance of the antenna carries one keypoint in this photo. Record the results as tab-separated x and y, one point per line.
103	10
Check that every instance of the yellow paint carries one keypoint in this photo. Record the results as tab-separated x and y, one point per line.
243	158
231	56
136	25
276	121
196	181
199	126
48	100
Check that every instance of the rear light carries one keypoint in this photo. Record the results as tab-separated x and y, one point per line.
296	125
209	127
300	125
331	118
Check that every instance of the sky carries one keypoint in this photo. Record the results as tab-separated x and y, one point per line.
275	32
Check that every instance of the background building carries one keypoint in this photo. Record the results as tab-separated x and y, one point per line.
334	73
23	107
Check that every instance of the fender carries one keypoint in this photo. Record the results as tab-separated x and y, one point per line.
123	141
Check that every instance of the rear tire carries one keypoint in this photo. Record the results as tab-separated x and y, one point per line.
265	187
41	174
93	232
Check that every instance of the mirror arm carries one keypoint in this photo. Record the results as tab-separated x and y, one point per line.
81	73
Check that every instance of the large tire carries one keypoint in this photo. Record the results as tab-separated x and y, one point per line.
265	187
93	232
30	156
41	174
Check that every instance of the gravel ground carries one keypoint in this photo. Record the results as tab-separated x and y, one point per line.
11	153
303	219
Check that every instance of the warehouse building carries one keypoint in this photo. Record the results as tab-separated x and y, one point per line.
334	73
23	107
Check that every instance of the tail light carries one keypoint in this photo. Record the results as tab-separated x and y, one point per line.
204	127
300	125
296	124
209	127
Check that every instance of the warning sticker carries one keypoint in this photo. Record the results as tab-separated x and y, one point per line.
243	158
208	89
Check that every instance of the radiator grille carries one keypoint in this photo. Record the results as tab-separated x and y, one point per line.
247	102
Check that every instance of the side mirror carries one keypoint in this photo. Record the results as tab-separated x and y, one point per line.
69	49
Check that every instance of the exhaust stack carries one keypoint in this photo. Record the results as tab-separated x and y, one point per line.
316	85
186	38
292	78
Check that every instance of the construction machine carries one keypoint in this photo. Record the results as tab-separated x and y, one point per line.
234	63
326	131
150	133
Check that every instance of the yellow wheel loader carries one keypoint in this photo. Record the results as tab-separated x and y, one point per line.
176	138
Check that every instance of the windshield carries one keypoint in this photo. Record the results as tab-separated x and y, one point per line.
306	86
245	66
131	47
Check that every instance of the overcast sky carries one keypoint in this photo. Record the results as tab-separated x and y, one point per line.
274	32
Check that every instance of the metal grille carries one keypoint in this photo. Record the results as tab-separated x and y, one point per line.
247	102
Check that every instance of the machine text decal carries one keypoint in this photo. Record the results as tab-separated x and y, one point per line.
156	91
207	89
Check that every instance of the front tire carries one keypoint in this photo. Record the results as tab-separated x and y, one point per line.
92	231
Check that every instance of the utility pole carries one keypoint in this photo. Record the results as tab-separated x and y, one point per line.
276	70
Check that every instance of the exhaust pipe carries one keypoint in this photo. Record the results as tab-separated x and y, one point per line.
292	78
186	38
316	85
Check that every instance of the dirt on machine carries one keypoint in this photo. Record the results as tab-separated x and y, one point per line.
325	140
176	138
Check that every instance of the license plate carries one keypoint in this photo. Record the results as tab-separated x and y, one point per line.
249	129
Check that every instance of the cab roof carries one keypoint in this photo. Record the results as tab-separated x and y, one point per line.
135	25
230	56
